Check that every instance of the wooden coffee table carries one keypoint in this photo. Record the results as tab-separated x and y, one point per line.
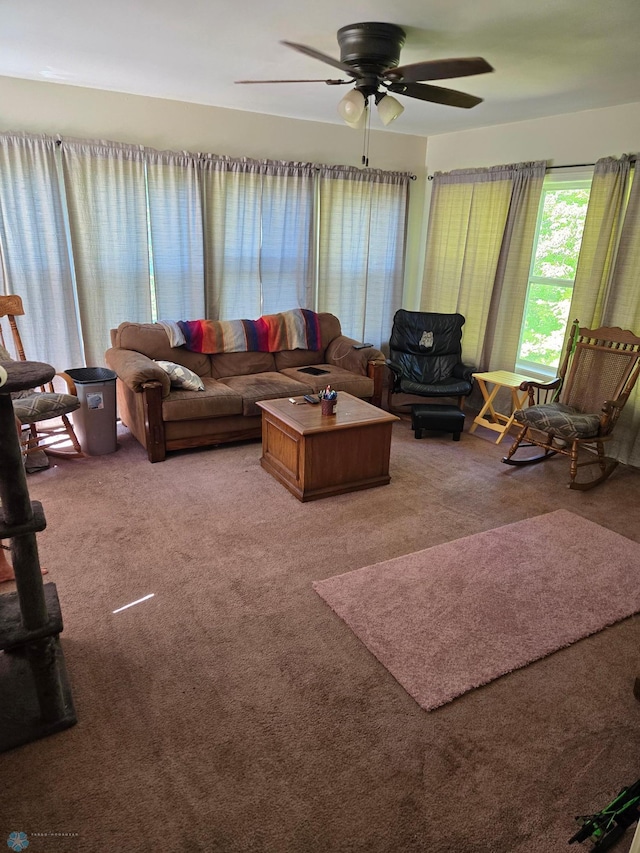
315	456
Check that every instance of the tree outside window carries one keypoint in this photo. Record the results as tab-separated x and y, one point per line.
561	217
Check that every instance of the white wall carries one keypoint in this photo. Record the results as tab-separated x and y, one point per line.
42	107
573	138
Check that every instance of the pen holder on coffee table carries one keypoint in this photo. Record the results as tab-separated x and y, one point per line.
328	406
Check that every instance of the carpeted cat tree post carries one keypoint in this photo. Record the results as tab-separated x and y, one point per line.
35	698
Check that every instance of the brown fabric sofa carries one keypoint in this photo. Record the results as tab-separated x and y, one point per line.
163	418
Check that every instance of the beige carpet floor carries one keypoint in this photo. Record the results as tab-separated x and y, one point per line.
233	713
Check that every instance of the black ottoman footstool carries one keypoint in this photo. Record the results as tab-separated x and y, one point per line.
437	417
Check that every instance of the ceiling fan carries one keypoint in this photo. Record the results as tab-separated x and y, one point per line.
369	54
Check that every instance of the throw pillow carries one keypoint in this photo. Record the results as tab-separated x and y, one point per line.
181	377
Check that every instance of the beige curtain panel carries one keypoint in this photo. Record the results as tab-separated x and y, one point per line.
479	243
607	285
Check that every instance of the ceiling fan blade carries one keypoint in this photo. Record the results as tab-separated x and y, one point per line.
315	54
435	94
328	82
439	69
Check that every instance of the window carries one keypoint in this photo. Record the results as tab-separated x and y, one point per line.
101	232
561	216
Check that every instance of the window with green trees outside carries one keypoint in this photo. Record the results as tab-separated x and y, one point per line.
561	216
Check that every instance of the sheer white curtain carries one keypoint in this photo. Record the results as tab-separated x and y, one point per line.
175	234
607	285
287	241
258	228
479	242
93	233
106	198
231	192
362	232
34	250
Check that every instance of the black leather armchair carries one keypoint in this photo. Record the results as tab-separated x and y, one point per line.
425	356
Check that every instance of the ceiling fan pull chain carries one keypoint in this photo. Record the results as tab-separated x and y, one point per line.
365	141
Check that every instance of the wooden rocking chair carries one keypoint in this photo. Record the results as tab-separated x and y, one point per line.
578	410
42	414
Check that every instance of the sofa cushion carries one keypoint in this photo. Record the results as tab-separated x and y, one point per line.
152	340
216	401
265	386
181	376
329	330
225	364
339	379
297	358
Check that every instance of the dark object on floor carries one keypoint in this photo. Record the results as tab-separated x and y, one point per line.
37	460
438	417
609	825
425	357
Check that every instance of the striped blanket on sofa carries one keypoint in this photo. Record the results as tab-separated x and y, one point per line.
295	329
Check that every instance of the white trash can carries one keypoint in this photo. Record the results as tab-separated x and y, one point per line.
95	420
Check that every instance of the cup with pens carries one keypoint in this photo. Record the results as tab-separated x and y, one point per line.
328	400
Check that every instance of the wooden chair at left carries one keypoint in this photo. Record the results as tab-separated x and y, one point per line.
42	413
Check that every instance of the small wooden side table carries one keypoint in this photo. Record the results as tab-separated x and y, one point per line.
487	416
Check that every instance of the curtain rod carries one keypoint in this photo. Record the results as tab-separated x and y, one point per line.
224	157
632	159
570	166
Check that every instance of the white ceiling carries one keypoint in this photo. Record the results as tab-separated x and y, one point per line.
550	56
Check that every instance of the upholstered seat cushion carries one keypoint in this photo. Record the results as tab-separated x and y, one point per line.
264	386
41	406
559	419
339	379
217	401
450	388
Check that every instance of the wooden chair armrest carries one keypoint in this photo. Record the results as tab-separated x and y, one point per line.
544	386
531	386
609	414
376	371
71	385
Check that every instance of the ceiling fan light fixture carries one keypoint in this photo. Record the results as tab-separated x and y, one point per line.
358	125
352	108
389	109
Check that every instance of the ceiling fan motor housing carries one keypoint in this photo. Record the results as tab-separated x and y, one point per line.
371	48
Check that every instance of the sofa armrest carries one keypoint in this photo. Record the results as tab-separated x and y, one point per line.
136	370
341	353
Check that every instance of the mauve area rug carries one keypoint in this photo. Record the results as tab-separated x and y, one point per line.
456	616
